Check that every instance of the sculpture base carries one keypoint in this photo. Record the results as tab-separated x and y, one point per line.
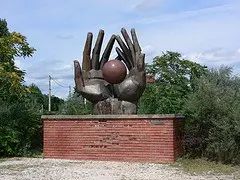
131	138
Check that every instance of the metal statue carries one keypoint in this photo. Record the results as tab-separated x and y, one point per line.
110	98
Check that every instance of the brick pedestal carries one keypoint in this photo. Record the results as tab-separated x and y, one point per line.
137	138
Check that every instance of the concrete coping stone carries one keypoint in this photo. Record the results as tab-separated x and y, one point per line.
112	117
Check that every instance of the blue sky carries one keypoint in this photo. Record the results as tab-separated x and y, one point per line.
205	31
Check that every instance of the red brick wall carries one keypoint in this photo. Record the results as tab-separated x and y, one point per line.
114	138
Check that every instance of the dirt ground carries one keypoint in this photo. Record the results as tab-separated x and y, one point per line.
51	169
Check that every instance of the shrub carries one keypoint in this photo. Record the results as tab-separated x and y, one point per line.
75	105
20	130
213	117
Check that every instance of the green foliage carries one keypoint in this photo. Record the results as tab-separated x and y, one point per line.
11	79
213	117
174	81
3	28
20	124
12	45
56	104
208	98
38	102
202	166
75	105
20	129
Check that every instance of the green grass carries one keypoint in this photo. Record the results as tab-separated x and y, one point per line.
34	155
202	166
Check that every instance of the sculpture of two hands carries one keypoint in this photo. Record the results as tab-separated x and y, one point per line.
109	98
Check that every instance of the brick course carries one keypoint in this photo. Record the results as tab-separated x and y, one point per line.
115	138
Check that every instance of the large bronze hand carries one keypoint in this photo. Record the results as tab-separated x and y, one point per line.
88	79
134	84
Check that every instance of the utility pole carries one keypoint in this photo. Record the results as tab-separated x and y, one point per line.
49	94
69	92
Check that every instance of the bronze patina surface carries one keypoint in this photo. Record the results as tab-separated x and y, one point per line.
111	98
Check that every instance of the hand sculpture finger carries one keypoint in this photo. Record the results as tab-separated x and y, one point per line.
131	53
96	50
135	41
107	51
81	74
129	44
125	50
78	77
121	56
86	64
141	62
140	58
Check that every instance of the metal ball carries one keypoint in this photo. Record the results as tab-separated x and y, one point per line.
114	71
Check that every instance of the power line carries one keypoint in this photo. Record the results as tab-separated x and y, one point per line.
50	90
64	86
49	94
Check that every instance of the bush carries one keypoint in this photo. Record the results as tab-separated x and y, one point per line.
75	105
20	130
213	117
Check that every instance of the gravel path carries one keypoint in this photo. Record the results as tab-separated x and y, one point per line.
51	169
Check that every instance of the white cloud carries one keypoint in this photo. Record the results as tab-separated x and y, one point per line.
215	57
150	52
66	67
186	14
146	5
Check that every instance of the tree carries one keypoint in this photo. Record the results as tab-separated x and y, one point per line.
3	28
20	125
212	112
75	105
56	103
174	81
34	99
12	45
